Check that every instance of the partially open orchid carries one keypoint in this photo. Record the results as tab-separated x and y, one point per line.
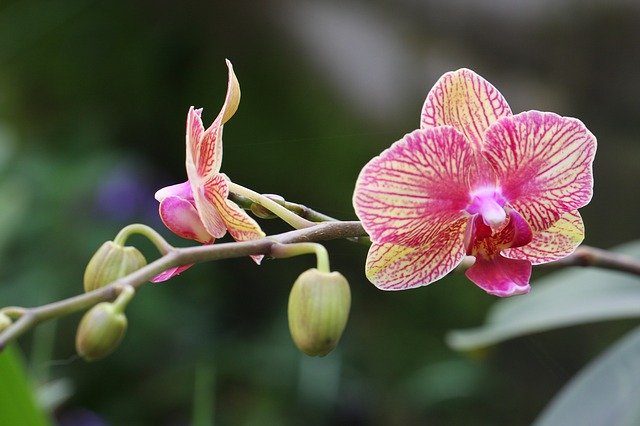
475	180
199	209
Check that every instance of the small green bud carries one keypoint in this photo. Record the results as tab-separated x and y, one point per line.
319	305
100	331
5	321
111	261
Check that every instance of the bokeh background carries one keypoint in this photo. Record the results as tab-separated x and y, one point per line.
93	101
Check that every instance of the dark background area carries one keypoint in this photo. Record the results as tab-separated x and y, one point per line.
93	101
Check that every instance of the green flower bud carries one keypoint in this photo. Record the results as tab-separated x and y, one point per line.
100	331
5	321
319	305
111	261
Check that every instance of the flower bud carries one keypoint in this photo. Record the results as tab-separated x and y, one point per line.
5	321
319	305
111	261
100	331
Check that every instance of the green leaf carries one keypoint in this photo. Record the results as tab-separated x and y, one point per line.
606	392
570	297
17	405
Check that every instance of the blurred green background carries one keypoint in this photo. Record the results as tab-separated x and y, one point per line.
93	101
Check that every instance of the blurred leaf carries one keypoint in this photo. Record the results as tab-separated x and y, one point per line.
606	392
17	405
570	297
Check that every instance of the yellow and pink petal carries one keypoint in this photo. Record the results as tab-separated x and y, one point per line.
543	163
466	101
396	267
204	147
558	241
239	224
417	188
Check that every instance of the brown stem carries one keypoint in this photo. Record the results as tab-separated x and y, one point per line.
599	258
27	318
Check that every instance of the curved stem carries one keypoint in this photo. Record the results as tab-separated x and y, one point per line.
152	235
282	212
296	249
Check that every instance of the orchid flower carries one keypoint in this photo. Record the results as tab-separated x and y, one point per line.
199	209
475	180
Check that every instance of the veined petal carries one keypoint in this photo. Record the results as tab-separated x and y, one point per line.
182	190
543	163
466	101
556	242
396	267
500	276
208	212
170	273
195	128
239	224
204	147
181	217
415	188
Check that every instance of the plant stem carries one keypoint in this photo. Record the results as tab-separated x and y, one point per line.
137	228
30	317
599	258
296	249
275	208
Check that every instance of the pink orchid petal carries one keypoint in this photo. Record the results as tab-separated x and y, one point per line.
182	190
500	276
194	132
416	188
466	101
554	243
395	267
170	273
544	164
181	217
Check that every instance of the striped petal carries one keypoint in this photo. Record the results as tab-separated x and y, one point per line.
556	242
500	276
416	188
204	147
466	101
208	211
239	224
181	217
544	164
395	267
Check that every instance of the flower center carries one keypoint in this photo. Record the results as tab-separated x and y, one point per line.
488	203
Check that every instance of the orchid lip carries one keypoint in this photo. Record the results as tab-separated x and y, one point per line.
488	203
